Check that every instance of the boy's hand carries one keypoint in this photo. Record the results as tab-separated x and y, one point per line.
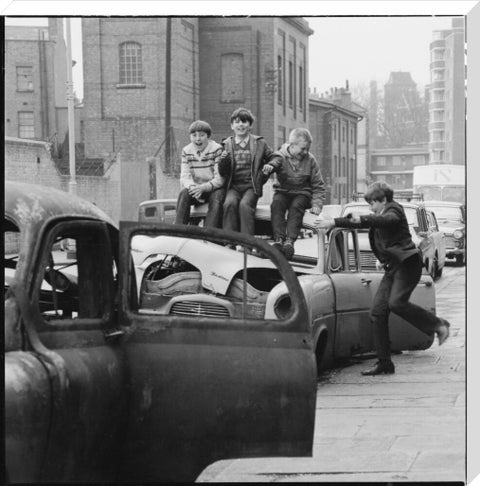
267	169
354	217
325	224
195	191
315	210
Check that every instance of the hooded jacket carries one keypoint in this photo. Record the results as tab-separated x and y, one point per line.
298	176
389	236
261	154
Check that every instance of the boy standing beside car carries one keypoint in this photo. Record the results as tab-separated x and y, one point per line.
392	244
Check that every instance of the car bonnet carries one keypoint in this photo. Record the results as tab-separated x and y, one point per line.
217	264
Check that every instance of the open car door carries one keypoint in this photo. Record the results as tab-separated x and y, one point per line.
210	377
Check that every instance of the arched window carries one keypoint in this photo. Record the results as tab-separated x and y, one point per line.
130	57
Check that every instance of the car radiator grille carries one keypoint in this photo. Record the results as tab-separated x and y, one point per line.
450	242
195	308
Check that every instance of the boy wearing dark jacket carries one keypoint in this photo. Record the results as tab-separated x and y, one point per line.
299	187
392	244
241	165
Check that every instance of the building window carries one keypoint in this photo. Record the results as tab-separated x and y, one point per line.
281	136
290	83
335	166
26	124
438	95
381	161
438	116
437	75
437	55
418	160
344	168
232	72
300	88
280	79
343	133
351	136
24	78
130	57
334	130
438	136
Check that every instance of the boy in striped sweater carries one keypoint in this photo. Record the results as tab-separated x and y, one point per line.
199	176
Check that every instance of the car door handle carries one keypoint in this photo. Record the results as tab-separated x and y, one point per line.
366	281
114	334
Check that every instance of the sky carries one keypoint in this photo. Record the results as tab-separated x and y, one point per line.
358	49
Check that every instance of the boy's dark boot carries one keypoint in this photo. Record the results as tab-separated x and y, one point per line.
443	331
382	366
288	249
278	244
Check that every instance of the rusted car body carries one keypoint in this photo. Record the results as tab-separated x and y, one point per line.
424	229
337	288
99	390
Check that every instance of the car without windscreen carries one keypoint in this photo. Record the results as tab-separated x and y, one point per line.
337	288
102	388
423	227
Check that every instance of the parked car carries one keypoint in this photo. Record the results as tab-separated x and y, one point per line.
423	228
331	210
100	387
451	217
337	289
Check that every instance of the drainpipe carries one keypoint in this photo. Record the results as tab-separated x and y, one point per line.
72	185
168	93
259	76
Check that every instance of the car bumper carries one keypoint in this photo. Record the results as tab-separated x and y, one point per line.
453	252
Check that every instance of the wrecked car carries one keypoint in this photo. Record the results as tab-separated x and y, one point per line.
101	387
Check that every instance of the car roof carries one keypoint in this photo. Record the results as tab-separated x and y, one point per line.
443	203
409	204
32	205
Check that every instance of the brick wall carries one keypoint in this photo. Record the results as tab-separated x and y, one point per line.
29	161
129	121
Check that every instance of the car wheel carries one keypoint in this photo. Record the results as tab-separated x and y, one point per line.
459	260
438	273
436	270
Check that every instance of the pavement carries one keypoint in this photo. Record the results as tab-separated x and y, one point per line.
406	427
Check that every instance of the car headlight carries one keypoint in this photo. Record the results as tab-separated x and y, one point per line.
458	234
283	306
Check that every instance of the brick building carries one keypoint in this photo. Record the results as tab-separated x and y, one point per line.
147	79
395	165
35	82
334	131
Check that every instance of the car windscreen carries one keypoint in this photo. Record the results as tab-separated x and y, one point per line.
360	209
412	217
446	213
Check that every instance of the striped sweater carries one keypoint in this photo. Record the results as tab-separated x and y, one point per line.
201	168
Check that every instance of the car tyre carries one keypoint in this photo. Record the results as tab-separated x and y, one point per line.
460	260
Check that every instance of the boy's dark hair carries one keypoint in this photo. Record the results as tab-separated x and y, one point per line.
244	115
377	191
200	126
